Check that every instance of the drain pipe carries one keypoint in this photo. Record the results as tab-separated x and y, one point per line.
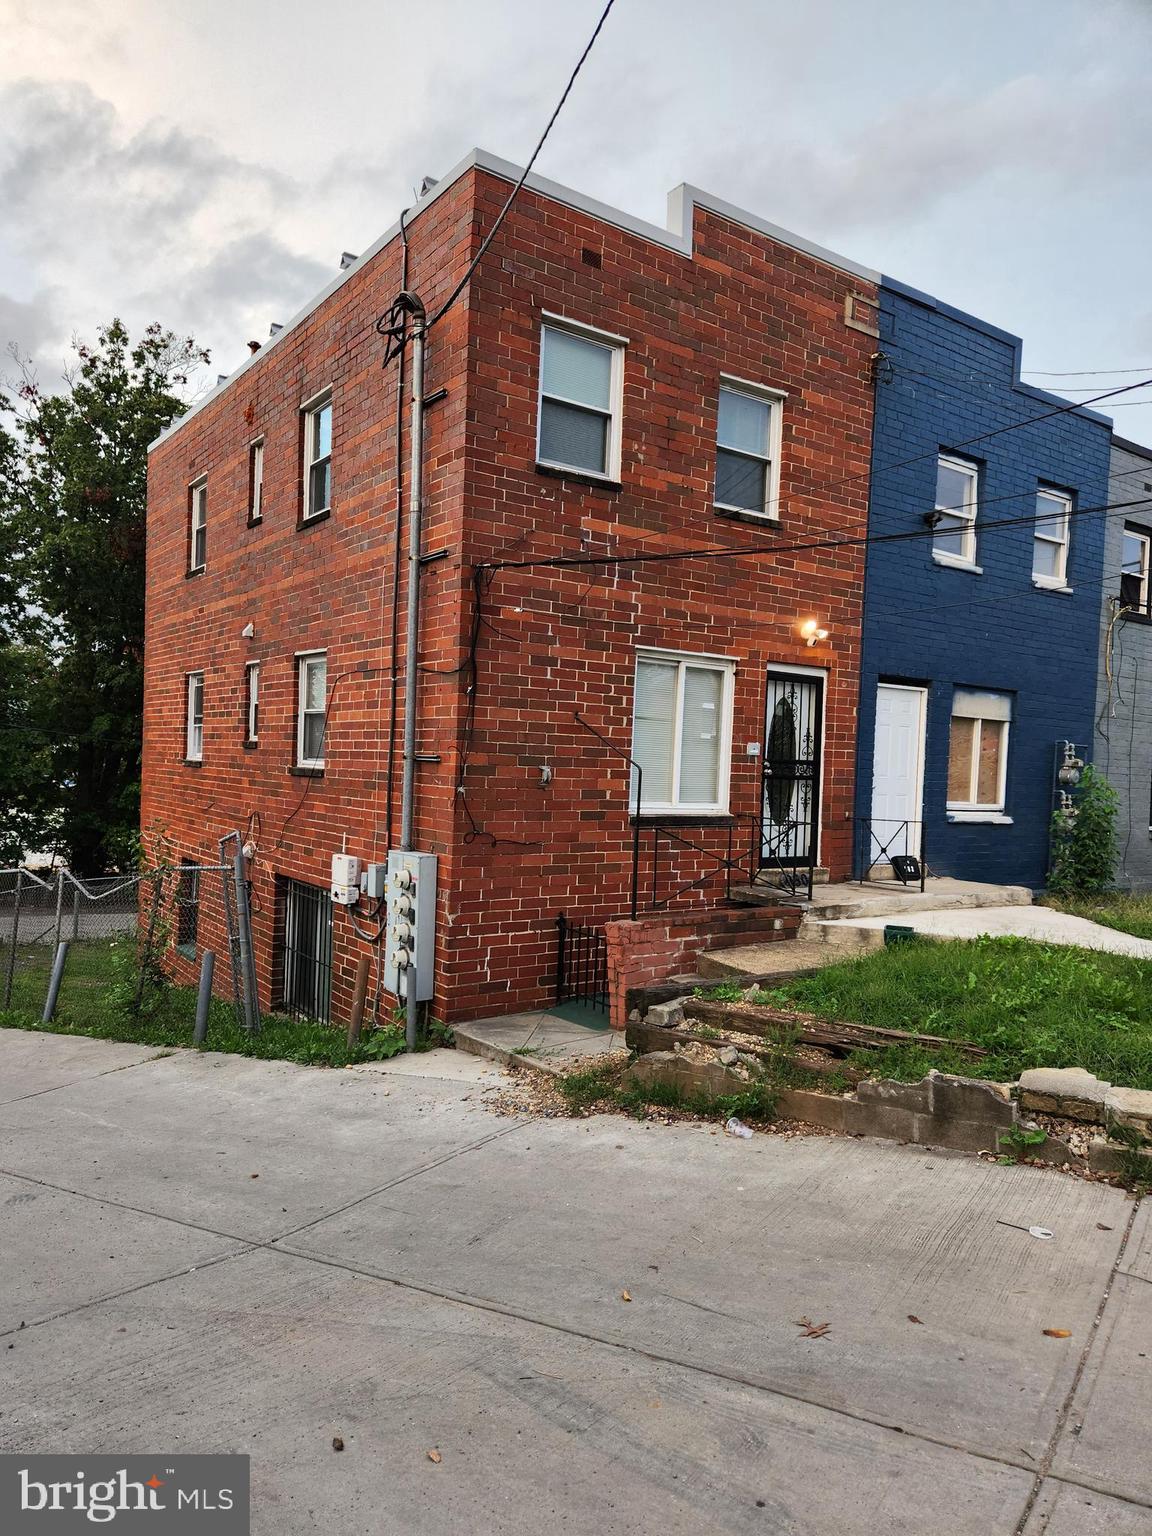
411	659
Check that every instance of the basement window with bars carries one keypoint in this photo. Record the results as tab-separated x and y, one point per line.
681	735
747	449
978	750
306	977
581	374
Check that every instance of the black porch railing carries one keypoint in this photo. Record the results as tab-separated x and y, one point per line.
886	841
747	850
581	964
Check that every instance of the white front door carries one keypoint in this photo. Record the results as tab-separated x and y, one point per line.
897	771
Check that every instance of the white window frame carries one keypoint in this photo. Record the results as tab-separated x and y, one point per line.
310	410
774	399
978	721
256	480
966	561
302	660
1145	540
251	703
1055	529
198	524
616	346
193	725
726	666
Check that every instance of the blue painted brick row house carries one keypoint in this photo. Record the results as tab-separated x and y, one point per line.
979	641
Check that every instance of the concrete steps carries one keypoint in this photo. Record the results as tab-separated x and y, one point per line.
766	962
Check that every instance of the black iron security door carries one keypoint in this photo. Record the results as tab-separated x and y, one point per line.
790	822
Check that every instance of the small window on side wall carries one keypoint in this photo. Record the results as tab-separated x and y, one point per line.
311	708
579	408
1051	538
317	458
954	529
194	717
747	450
681	735
197	526
1134	567
251	703
256	481
978	750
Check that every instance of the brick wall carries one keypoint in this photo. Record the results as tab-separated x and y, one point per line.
947	378
654	948
513	850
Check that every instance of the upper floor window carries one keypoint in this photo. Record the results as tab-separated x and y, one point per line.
581	374
194	717
256	480
681	734
954	529
747	450
978	750
252	703
197	525
1134	562
311	709
1051	538
318	456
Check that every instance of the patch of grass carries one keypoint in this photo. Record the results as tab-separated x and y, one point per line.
723	992
603	1086
97	1000
1027	1004
1126	911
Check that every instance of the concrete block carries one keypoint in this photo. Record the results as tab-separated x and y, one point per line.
1131	1106
1068	1091
668	1015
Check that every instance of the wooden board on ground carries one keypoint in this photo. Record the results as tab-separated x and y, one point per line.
644	1038
752	1019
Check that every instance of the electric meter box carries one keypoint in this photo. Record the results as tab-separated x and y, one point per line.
345	879
410	937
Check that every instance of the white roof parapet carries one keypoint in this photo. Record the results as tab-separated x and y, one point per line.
677	237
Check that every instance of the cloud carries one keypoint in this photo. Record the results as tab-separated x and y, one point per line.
152	224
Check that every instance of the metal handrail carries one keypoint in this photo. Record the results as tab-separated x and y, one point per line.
639	772
901	829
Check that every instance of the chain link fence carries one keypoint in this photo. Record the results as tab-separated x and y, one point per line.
125	946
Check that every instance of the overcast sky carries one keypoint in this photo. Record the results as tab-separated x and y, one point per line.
204	162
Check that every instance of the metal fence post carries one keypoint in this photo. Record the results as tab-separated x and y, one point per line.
15	939
54	985
244	934
75	913
204	996
58	934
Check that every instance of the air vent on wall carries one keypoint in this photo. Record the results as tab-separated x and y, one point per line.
591	258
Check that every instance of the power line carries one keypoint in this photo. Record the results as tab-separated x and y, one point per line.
727	553
491	235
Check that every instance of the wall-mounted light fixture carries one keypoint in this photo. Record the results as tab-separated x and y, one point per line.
812	632
248	632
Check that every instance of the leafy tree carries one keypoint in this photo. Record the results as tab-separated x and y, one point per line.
1084	840
74	515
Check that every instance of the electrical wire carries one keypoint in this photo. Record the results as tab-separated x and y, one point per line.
515	192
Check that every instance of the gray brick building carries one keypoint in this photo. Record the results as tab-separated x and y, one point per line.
1123	734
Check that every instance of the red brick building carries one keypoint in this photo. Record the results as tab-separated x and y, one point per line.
602	389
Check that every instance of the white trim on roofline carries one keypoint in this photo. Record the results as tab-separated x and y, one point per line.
682	202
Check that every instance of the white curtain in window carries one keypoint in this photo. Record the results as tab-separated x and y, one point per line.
655	723
700	736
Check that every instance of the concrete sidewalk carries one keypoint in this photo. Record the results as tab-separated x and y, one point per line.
207	1253
1040	923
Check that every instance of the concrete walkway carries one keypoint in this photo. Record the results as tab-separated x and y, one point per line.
1040	923
596	1324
